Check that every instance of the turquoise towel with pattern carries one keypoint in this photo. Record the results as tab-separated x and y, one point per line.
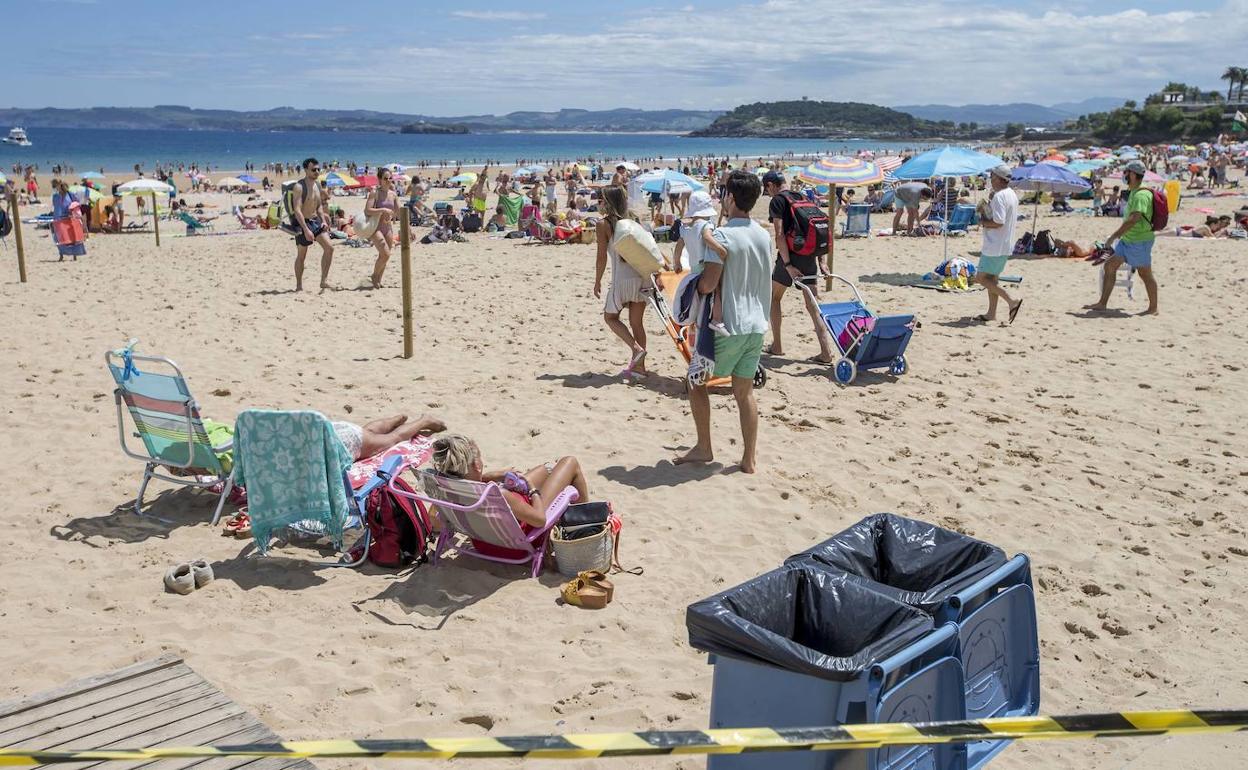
291	464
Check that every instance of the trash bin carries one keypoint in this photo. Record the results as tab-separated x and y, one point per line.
803	646
957	579
916	563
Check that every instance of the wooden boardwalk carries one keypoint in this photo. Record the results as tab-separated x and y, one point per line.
160	702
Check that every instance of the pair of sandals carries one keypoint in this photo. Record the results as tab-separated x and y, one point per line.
1013	314
638	357
590	589
238	525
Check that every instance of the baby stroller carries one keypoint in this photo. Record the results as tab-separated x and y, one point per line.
660	297
865	340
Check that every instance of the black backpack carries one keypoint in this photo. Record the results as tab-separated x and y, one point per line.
472	222
806	230
1043	244
6	224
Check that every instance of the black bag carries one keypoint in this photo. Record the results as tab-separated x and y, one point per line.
6	224
472	222
579	520
1043	244
807	227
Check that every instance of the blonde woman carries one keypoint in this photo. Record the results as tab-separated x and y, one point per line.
528	494
626	283
384	203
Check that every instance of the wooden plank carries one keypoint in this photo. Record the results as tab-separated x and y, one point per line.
151	729
76	687
110	712
250	733
67	702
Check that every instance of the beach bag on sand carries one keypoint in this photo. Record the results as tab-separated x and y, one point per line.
6	224
400	528
588	538
1043	243
1023	245
637	247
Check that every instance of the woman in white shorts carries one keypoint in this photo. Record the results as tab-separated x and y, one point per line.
626	287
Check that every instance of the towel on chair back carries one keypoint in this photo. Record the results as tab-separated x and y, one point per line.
691	306
291	464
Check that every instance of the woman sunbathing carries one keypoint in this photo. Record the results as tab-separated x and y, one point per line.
527	493
377	436
1214	227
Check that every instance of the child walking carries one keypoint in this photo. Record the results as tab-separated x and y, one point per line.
696	238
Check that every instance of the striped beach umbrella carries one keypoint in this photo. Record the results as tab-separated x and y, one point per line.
842	172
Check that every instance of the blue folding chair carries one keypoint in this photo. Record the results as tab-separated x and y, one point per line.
963	217
857	221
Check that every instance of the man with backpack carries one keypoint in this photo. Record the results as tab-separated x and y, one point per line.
801	230
1146	212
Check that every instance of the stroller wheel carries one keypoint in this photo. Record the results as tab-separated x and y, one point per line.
845	371
899	366
760	376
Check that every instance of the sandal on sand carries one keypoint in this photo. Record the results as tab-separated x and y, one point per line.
598	579
579	593
983	319
202	572
179	579
1014	310
238	525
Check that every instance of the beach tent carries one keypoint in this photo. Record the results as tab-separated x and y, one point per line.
839	172
946	163
1047	177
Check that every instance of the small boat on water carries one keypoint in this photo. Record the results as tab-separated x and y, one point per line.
17	135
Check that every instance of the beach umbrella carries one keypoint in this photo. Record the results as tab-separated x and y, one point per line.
945	162
889	162
839	172
338	179
1047	177
1149	177
249	179
465	178
148	187
230	181
628	165
538	168
1056	156
4	179
1085	166
397	168
92	194
92	175
654	181
366	180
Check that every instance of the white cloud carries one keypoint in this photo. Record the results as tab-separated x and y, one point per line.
499	15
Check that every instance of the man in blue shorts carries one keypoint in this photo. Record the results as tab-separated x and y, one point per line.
744	281
1132	241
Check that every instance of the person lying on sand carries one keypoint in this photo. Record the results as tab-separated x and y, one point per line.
527	493
1214	227
375	437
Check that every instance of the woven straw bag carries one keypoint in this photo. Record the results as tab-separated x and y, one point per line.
587	553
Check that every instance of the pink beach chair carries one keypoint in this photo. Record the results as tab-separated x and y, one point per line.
480	511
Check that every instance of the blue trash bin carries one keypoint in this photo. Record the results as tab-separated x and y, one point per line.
802	646
959	580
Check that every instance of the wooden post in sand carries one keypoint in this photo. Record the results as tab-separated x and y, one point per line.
17	237
156	218
405	255
827	282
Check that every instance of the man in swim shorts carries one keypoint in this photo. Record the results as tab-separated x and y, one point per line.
1132	241
309	226
998	229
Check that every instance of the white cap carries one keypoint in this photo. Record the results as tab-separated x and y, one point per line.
700	205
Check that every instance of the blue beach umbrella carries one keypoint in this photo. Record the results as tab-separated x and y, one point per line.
945	162
92	175
653	182
1047	177
249	179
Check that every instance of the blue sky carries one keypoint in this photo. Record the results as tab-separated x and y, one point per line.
476	57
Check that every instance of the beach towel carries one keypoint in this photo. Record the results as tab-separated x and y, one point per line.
292	465
690	305
511	207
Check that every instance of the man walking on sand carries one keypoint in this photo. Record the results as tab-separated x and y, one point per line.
305	216
1132	241
997	221
744	284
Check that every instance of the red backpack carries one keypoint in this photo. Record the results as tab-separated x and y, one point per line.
399	527
1161	209
807	230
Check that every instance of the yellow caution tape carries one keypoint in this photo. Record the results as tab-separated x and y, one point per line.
1126	724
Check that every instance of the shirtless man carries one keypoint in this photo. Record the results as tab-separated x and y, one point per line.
620	177
310	227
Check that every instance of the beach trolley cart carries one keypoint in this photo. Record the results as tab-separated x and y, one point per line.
660	295
865	340
955	579
805	646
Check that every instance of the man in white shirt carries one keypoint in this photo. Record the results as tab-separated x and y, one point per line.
997	219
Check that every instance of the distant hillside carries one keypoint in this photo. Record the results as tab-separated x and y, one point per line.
820	119
1018	112
291	119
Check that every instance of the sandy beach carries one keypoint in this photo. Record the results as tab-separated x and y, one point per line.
1109	448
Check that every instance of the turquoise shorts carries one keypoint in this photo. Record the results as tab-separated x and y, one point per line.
738	355
1136	255
992	265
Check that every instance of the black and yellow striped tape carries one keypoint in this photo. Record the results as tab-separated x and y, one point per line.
1124	724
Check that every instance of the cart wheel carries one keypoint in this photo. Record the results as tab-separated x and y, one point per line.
899	366
760	376
845	371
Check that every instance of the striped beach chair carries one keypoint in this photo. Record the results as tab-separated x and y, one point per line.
481	513
166	418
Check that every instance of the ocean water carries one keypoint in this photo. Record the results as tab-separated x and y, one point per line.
119	150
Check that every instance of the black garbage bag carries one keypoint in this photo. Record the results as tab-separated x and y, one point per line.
921	563
805	619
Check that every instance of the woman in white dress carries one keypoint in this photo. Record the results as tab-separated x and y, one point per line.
626	283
